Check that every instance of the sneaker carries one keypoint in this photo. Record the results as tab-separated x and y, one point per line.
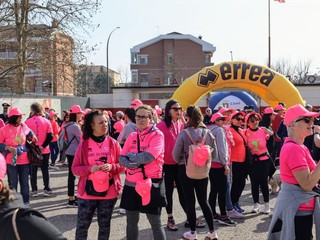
171	224
122	211
212	236
266	208
234	214
34	194
238	208
255	208
53	166
216	218
27	205
225	220
72	204
190	235
47	193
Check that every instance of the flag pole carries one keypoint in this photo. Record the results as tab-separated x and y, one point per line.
269	37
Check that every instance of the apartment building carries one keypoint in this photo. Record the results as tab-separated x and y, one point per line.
48	61
169	59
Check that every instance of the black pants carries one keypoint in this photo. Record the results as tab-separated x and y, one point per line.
200	187
259	178
276	151
239	174
218	188
71	177
45	174
171	177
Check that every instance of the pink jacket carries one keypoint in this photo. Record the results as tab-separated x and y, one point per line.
80	166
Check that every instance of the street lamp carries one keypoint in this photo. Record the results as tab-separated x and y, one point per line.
108	83
231	55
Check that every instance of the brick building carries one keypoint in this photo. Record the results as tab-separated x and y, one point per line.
168	60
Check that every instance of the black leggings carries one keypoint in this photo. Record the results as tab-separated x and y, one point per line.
218	183
200	187
71	177
259	178
239	174
171	177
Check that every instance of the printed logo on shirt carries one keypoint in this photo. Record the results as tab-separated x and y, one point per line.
101	160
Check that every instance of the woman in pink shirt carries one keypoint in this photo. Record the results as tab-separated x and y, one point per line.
171	126
257	143
142	154
97	163
13	138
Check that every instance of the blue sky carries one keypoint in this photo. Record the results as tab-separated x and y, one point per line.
240	26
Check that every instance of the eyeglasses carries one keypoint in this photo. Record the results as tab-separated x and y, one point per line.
138	117
220	119
305	119
176	109
239	119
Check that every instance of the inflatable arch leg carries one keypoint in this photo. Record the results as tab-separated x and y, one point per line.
271	86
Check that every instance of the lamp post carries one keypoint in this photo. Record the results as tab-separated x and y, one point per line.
269	37
231	55
108	83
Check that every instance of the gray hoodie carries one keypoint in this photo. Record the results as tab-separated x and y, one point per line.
74	135
181	148
222	145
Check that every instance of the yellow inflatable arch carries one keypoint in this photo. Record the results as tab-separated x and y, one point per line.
271	86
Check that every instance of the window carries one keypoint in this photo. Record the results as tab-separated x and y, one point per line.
170	58
8	54
134	76
139	58
169	79
144	77
207	58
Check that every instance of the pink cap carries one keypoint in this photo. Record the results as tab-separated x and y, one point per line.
100	181
52	113
279	107
236	113
269	110
252	114
223	110
143	188
297	111
118	126
201	155
15	112
216	116
109	113
136	103
3	166
76	109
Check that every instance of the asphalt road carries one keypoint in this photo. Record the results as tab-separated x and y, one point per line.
253	226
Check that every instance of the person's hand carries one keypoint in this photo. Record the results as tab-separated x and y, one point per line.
95	168
106	167
13	150
226	170
41	148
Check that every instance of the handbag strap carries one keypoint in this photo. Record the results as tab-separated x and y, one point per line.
14	223
204	137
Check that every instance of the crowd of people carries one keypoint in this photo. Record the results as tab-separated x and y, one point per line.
151	146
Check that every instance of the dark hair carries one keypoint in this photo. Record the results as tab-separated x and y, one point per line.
73	117
13	120
167	117
36	108
266	120
195	116
131	114
88	120
65	117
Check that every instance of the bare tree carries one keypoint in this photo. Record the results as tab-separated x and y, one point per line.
35	30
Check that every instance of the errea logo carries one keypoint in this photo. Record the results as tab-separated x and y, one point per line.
210	77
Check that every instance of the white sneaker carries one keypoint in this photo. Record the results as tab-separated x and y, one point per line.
34	194
122	211
189	235
234	214
255	208
266	208
212	236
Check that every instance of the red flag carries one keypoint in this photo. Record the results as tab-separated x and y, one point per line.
280	1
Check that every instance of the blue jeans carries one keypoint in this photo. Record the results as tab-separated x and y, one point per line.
54	150
229	204
86	210
19	173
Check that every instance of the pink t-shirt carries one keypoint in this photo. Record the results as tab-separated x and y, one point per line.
257	142
294	157
98	154
118	126
13	136
41	127
151	141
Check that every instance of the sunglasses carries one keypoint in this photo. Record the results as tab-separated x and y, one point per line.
239	119
176	109
138	117
220	119
305	119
